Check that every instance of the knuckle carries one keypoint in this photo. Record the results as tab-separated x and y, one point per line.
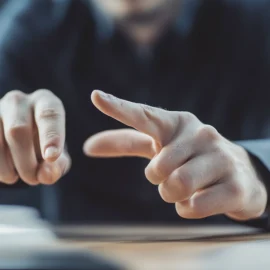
190	210
236	189
225	158
183	210
196	209
207	133
129	147
52	136
160	169
41	92
239	165
49	114
186	117
183	148
147	112
14	96
17	131
44	93
185	181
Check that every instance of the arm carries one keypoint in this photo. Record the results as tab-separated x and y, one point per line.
193	165
21	154
259	151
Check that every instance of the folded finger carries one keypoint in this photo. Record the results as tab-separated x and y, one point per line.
169	159
51	172
218	199
197	173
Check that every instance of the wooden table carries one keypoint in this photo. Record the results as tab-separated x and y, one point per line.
196	248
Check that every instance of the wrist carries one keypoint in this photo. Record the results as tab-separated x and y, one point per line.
262	175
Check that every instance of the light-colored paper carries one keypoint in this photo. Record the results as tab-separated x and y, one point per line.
22	226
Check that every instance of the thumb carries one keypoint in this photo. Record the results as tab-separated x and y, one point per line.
50	172
120	143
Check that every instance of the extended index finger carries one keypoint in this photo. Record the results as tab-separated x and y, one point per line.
157	123
50	120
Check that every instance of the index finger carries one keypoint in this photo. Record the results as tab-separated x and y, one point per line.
157	123
49	116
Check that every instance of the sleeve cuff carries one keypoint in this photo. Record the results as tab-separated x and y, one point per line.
259	149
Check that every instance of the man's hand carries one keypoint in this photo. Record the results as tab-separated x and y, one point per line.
32	137
195	167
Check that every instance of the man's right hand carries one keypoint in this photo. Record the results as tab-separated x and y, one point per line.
32	138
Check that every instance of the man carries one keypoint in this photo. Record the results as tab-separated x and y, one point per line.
206	62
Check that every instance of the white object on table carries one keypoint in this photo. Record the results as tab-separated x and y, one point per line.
22	226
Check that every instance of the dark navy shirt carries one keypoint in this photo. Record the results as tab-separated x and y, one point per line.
213	61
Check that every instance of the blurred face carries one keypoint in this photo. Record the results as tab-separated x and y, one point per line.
134	11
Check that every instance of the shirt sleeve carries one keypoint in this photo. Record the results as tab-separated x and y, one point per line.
259	151
17	72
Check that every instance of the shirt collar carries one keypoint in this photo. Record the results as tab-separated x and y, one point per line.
104	24
187	16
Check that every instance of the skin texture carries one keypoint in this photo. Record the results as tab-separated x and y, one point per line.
32	138
194	166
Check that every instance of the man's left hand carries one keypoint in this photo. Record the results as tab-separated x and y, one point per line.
194	166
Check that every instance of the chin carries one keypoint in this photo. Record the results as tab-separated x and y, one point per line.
125	8
136	7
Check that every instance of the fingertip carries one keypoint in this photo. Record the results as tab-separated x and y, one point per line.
89	148
102	101
44	175
85	148
95	93
48	174
11	180
98	94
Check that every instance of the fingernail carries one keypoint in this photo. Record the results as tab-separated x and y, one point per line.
102	94
105	95
51	152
